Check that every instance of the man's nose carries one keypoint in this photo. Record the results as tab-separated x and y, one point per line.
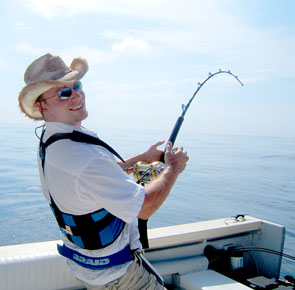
76	94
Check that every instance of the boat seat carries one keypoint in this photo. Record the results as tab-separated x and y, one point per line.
209	280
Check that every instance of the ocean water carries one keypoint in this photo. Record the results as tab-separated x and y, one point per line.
226	175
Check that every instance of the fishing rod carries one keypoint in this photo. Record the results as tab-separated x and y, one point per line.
143	171
180	119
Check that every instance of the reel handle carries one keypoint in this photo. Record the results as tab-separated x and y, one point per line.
173	135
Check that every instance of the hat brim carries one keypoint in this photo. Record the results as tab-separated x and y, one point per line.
29	94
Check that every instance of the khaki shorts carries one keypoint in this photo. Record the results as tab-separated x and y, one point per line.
136	278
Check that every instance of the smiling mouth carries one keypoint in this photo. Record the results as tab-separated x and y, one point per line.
77	108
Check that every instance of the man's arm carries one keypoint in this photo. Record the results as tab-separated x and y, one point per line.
158	190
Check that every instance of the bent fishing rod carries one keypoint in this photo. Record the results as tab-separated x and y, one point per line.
145	173
180	119
142	170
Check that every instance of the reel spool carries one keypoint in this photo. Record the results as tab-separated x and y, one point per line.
144	172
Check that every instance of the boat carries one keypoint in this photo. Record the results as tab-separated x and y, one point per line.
240	252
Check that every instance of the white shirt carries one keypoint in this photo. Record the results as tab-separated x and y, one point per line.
83	178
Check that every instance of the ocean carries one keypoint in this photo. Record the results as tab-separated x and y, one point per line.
226	175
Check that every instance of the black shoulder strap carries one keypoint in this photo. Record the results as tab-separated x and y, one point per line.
82	137
75	136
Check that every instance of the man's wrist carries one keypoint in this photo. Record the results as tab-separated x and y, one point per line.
170	172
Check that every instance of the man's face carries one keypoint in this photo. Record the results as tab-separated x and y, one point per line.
70	111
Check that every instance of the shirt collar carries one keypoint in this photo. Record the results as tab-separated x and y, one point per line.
57	127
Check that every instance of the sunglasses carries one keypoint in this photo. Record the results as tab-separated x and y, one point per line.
65	93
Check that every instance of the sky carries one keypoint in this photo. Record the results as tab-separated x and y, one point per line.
146	58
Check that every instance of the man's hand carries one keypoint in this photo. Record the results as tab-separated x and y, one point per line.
153	153
176	158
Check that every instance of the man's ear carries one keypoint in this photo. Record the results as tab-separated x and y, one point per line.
42	108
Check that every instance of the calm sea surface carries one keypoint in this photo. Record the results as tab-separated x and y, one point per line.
226	175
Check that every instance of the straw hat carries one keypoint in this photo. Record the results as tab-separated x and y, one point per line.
44	73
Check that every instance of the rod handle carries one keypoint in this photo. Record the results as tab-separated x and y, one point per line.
173	135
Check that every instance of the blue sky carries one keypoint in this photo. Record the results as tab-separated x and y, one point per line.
146	58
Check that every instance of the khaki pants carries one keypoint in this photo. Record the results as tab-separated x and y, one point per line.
136	278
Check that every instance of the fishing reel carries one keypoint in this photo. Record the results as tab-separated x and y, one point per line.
144	172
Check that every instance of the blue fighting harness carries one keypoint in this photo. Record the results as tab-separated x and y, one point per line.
90	231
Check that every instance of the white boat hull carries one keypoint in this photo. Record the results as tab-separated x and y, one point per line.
177	252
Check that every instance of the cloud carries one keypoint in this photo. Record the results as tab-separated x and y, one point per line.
28	48
69	8
47	9
212	31
131	45
181	11
93	56
128	45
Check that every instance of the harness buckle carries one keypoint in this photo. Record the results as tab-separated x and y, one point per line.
68	230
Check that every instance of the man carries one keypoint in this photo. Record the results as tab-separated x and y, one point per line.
95	202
